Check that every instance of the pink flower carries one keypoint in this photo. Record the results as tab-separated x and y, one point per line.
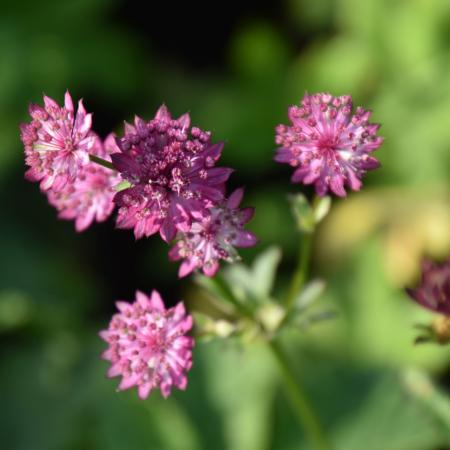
433	291
148	345
214	238
171	169
57	142
327	145
90	196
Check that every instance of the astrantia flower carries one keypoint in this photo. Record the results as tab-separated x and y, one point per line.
328	145
57	142
171	169
90	196
433	291
214	238
148	345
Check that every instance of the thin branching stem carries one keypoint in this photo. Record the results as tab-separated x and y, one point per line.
302	270
101	162
304	413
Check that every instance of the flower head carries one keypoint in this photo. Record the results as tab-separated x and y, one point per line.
327	145
148	345
433	291
57	142
214	238
90	196
171	168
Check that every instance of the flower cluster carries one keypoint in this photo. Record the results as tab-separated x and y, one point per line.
172	183
328	146
171	170
162	176
215	237
176	190
148	345
57	142
90	196
433	291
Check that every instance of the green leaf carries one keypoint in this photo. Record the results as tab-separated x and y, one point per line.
321	207
125	184
264	271
387	420
309	294
303	213
436	401
215	288
240	281
254	284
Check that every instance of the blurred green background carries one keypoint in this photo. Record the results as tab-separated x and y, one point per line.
236	70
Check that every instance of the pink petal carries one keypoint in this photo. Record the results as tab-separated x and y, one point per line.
166	389
163	114
50	103
174	252
156	301
211	269
68	103
215	151
246	239
168	230
127	383
184	121
337	185
114	370
218	175
246	214
144	390
123	306
353	180
186	268
142	299
235	198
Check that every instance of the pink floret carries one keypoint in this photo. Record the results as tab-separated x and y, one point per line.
214	238
170	166
90	196
57	142
148	345
433	292
328	146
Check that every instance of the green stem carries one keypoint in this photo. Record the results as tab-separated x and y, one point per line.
101	162
300	404
221	290
301	272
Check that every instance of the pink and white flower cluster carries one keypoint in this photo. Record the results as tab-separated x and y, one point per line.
171	168
148	345
215	238
58	144
173	186
163	178
90	196
327	145
177	190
